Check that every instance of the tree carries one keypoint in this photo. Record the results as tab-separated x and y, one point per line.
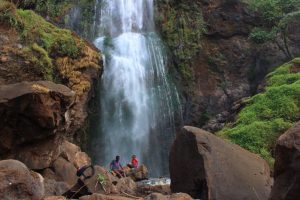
277	16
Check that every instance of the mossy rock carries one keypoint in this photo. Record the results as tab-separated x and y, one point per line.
182	27
268	114
53	53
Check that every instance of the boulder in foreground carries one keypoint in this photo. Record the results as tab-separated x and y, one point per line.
32	111
209	168
287	166
18	182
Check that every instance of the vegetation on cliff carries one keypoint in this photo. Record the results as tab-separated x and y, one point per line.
62	12
268	114
182	30
277	16
54	53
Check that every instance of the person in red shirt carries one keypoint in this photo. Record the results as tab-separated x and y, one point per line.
134	162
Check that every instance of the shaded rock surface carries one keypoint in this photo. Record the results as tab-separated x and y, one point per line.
222	66
53	187
18	182
287	166
210	168
31	112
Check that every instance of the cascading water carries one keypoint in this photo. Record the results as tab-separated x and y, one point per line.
137	101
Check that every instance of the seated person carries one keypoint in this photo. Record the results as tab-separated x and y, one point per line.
116	167
134	162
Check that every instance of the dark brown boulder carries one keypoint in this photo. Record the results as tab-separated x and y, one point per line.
209	168
32	111
287	166
18	182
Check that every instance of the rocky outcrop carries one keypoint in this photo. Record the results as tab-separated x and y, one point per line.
287	166
18	182
221	66
138	174
31	112
210	168
69	60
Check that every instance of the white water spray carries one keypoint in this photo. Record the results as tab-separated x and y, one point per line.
137	101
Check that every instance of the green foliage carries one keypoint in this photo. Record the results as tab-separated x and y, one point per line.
101	179
277	15
182	27
53	8
269	114
56	41
58	11
260	35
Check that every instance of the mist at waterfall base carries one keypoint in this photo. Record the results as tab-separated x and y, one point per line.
138	105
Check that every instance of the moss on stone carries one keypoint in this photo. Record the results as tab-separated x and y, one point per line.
268	114
54	52
182	31
40	60
58	42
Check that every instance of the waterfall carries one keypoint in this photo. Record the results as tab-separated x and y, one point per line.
138	102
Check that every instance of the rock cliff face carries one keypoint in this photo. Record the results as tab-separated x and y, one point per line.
219	66
32	112
210	168
287	166
47	52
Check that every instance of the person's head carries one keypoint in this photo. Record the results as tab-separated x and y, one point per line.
117	158
133	156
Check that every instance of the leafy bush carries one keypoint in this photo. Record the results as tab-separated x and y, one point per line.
269	114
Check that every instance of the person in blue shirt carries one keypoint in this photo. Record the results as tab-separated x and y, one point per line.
116	167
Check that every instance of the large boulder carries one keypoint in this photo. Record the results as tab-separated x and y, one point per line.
209	168
32	111
287	166
112	185
65	171
73	154
138	174
40	155
18	182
